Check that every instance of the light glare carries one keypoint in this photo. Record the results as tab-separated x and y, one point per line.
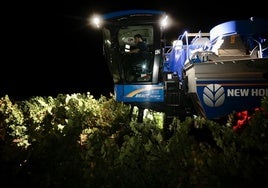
164	22
96	21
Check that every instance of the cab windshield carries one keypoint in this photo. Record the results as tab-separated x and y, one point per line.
129	67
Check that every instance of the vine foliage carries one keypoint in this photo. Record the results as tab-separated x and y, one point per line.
79	141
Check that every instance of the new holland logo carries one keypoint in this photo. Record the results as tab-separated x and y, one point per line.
213	95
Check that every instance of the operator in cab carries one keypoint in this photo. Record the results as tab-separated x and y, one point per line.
140	48
136	63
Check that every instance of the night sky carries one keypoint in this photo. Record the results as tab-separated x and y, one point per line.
49	48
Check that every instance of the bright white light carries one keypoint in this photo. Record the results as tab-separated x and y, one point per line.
127	48
164	22
96	21
144	66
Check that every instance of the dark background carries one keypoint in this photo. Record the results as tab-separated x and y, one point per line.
49	48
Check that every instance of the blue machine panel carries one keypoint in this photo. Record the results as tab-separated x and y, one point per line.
220	98
139	93
243	27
